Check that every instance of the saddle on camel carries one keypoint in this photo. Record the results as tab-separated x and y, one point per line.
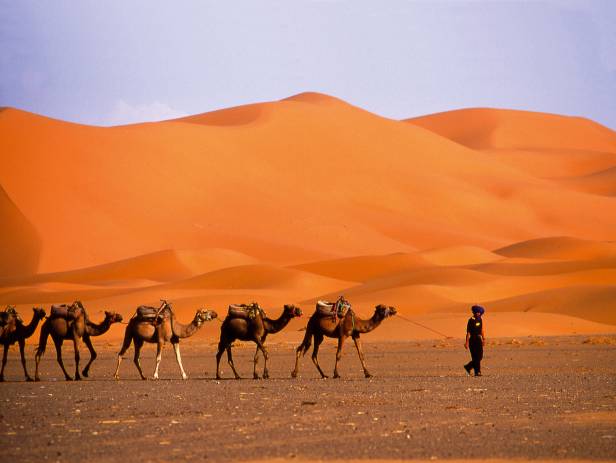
334	310
153	315
67	311
246	311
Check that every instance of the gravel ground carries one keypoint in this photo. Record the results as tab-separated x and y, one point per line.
552	398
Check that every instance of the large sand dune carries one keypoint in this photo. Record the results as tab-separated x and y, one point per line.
310	197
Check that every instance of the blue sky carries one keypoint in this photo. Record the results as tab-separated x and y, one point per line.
113	62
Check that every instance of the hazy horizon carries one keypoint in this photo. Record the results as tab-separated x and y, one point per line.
115	63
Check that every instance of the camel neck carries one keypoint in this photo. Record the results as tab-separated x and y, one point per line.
95	329
31	327
273	326
181	330
365	326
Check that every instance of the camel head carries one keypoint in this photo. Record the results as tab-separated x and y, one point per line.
382	311
204	315
292	310
112	317
39	313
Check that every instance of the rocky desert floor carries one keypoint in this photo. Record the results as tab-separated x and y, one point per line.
551	398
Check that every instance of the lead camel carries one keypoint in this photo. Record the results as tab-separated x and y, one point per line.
322	324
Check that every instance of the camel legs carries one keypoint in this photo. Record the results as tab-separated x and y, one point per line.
138	346
301	350
4	356
223	345
116	375
230	360
178	357
76	343
360	352
341	340
58	343
218	356
255	375
159	357
88	342
260	347
22	352
318	339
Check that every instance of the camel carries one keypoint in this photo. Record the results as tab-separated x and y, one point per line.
14	331
321	325
71	322
252	327
159	326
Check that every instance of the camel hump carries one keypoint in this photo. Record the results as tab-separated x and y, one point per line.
69	312
246	311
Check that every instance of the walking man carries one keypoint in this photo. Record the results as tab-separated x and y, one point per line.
475	340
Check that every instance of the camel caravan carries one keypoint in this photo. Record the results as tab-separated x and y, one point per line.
159	325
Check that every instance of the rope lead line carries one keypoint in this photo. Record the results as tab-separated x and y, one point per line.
425	327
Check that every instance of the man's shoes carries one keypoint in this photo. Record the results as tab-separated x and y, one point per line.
478	374
468	370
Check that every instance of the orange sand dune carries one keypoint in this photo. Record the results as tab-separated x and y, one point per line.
556	163
537	267
602	182
20	243
168	265
260	277
364	268
310	197
596	302
560	248
460	255
482	128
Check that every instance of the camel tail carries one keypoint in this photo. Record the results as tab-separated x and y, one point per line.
128	338
42	345
305	345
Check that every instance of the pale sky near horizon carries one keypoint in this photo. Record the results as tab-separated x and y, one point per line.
117	62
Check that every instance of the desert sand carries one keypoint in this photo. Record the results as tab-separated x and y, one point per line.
308	198
540	400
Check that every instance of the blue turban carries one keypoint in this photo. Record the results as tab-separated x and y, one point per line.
478	309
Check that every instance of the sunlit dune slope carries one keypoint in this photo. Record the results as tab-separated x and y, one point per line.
306	178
